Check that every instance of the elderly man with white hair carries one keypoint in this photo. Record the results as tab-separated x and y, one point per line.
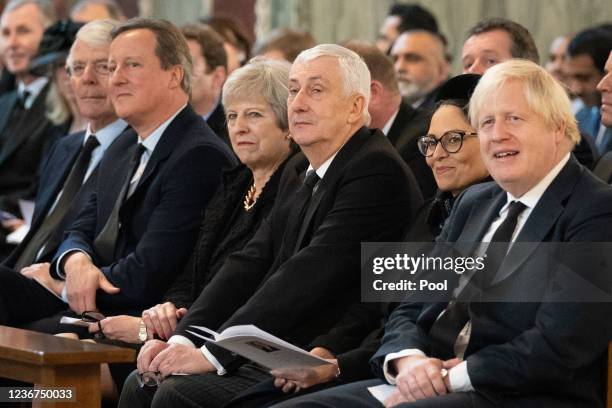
300	272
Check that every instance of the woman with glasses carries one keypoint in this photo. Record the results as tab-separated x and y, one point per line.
452	151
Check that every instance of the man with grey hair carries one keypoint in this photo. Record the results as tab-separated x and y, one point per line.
23	124
300	272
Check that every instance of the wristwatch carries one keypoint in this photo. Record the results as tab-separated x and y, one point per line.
142	331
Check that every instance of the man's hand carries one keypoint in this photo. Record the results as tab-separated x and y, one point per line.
12	224
40	273
82	281
148	352
419	377
295	379
180	359
124	328
162	319
395	398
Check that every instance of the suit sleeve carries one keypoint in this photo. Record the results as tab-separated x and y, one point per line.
565	336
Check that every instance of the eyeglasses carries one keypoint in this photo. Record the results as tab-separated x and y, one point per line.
149	379
94	317
451	142
78	69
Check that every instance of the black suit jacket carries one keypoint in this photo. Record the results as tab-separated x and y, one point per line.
159	221
54	170
408	125
22	153
367	194
549	353
218	123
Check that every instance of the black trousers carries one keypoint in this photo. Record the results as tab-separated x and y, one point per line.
23	300
191	391
357	395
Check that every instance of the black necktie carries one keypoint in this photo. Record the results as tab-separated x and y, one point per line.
446	329
72	185
23	98
302	200
104	244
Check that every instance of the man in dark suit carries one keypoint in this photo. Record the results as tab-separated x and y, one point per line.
547	351
299	273
604	166
23	124
138	227
394	116
209	74
88	71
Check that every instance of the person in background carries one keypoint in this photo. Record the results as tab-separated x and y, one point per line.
284	43
209	74
419	58
494	40
404	17
85	11
585	61
23	124
237	43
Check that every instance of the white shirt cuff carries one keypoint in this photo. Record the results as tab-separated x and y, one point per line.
59	269
394	356
178	339
64	295
459	378
213	360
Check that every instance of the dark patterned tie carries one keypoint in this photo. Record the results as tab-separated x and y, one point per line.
446	329
104	244
72	185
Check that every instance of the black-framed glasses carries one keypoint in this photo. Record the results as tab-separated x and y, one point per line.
451	142
94	317
149	379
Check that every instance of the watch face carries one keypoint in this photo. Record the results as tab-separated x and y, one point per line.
142	332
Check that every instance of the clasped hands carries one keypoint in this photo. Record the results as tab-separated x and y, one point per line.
420	377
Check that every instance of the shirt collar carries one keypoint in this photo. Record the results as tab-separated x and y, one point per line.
531	198
389	123
107	134
151	141
210	112
323	167
34	87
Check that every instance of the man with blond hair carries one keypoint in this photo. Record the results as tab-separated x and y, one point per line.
514	333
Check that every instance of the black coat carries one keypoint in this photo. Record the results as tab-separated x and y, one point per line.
225	228
367	194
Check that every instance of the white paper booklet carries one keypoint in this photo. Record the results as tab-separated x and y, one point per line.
259	346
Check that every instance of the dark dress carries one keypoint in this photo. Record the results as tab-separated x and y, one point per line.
226	227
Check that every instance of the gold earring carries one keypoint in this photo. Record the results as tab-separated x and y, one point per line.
288	136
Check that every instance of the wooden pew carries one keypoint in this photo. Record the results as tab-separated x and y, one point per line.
50	361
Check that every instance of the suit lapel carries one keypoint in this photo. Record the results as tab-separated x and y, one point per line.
61	169
542	219
8	103
34	123
165	145
479	220
342	158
